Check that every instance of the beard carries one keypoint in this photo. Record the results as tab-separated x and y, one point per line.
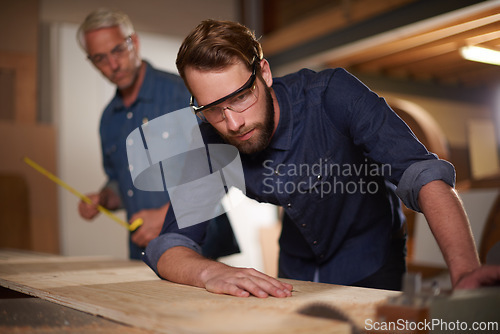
263	130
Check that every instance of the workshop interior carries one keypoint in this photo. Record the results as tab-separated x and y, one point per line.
420	55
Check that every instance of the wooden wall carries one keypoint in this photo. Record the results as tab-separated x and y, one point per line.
28	201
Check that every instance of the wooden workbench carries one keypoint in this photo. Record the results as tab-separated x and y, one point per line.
128	292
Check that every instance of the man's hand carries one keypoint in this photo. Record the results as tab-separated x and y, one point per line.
106	198
183	265
89	211
151	227
486	275
243	282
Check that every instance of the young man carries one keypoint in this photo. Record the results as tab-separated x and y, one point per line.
333	155
143	93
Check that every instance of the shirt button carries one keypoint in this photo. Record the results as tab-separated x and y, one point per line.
320	177
145	120
315	242
304	225
129	115
289	205
130	193
277	172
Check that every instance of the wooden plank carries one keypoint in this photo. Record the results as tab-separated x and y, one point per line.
398	40
130	293
23	314
451	34
324	22
404	58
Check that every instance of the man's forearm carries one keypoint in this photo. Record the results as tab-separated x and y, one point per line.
183	265
449	224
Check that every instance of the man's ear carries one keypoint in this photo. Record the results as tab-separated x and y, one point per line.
266	72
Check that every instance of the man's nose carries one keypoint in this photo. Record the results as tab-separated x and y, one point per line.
234	120
113	62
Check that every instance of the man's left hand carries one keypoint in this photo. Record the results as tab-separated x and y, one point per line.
152	223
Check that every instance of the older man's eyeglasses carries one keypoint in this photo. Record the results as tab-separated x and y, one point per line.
238	101
118	51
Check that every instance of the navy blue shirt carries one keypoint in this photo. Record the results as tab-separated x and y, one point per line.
160	93
333	164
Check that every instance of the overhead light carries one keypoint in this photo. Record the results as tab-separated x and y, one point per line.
482	55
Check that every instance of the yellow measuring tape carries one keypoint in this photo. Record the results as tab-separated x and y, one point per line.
131	227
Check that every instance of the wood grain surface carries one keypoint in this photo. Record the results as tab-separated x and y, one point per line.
130	293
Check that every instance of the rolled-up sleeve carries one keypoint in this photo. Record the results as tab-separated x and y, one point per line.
162	243
419	174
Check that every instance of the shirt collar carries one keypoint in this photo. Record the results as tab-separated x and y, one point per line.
282	137
145	92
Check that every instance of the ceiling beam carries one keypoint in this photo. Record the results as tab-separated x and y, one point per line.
332	19
316	52
455	33
421	46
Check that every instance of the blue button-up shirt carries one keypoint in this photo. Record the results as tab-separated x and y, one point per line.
333	164
160	93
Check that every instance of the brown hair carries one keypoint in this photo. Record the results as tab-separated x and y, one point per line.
215	44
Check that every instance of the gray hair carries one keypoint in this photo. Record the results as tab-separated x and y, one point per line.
104	18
